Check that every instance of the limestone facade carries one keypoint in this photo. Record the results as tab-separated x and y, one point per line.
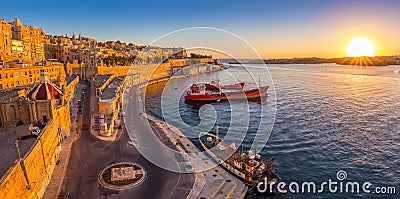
30	175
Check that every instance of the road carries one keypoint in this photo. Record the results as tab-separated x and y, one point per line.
90	155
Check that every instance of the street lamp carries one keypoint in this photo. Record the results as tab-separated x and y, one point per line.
21	161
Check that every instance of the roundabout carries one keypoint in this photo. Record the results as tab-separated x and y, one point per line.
121	176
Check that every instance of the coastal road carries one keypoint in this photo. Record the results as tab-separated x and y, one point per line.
90	155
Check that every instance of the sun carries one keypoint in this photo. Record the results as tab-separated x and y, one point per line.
360	47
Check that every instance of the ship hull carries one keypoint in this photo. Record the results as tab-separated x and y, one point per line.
235	95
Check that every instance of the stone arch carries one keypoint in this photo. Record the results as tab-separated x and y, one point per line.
13	114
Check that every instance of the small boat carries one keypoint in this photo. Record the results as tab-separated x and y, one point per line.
247	167
216	92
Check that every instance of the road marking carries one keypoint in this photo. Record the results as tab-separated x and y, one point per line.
183	188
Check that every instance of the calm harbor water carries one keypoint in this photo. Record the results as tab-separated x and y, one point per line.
328	118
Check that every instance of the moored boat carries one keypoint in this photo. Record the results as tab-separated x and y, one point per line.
216	92
248	167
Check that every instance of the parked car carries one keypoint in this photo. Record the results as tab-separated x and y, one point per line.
35	131
188	167
27	131
84	127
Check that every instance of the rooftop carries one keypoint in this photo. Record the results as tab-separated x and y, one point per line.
9	150
9	95
101	79
70	79
110	92
44	91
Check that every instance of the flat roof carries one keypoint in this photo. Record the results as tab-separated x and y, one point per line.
101	79
8	93
110	91
9	150
70	79
6	96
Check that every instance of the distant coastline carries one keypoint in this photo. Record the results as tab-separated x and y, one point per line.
358	61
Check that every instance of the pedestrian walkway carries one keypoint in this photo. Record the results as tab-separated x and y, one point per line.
57	178
212	183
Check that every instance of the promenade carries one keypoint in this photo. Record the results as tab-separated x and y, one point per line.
212	183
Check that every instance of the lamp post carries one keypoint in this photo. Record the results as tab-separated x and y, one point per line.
21	161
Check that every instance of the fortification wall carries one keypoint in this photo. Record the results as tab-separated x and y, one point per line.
39	163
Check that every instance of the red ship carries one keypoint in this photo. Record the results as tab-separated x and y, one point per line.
216	92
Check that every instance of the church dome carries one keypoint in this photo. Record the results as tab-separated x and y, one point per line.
44	91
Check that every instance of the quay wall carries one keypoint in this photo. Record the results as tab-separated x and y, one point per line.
149	73
39	162
145	73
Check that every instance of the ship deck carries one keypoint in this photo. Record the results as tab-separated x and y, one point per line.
228	154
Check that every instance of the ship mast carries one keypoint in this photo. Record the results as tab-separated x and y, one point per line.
216	128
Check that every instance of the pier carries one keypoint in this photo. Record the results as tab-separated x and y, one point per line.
212	183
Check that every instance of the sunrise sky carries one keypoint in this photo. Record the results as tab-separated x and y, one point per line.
275	28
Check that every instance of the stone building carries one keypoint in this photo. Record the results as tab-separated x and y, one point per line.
109	102
66	49
28	175
5	40
14	108
32	38
36	105
17	48
18	41
13	77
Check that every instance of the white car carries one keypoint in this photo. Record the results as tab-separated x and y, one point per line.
188	167
35	131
